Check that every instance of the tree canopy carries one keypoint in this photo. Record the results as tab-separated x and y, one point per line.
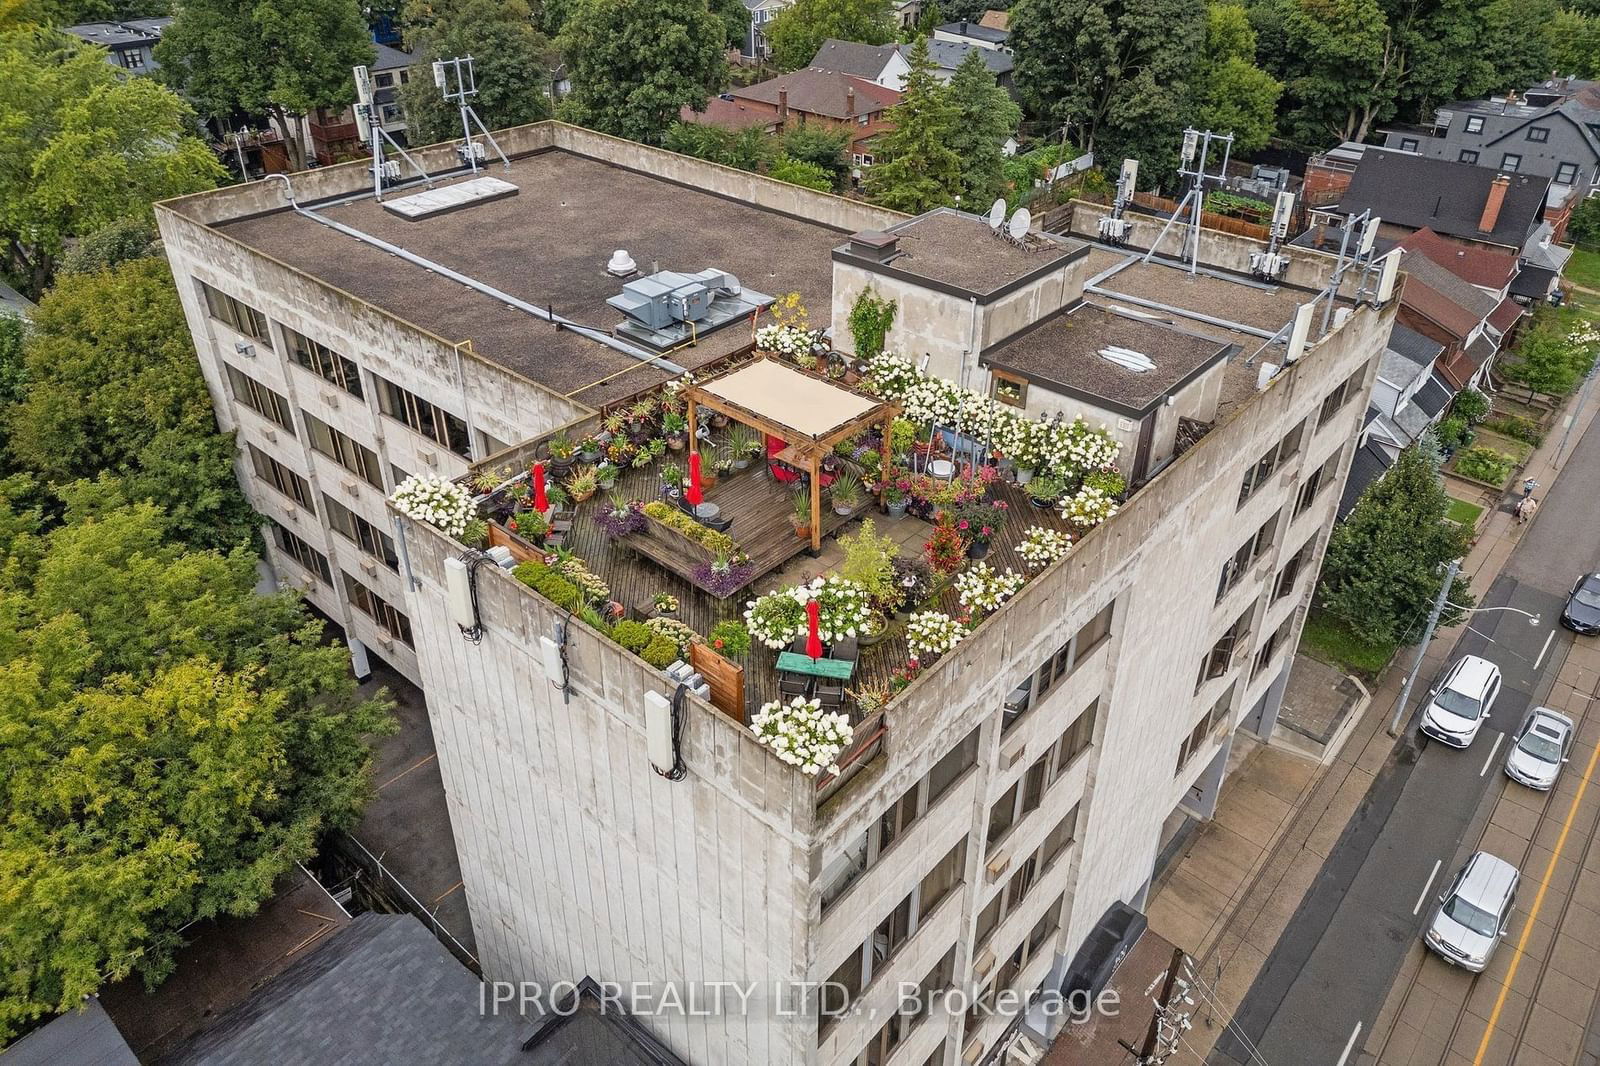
170	743
112	386
634	65
985	115
278	58
82	147
1234	95
916	168
512	64
797	31
1385	561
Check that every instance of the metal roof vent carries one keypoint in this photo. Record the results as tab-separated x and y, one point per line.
621	264
1128	359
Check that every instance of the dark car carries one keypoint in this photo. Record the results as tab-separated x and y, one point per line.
1582	612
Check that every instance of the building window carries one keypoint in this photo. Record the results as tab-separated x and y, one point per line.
1510	162
236	315
1272	645
1408	144
1291	569
428	419
1202	730
1219	659
356	458
1076	740
363	534
1028	950
133	59
281	478
1567	174
491	445
1238	564
375	607
1062	662
866	159
1474	124
1538	134
1468	156
1347	388
324	361
1008	388
899	1027
1262	470
1320	479
1018	801
260	399
310	560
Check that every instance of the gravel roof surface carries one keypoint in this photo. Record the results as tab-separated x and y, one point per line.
960	250
1235	301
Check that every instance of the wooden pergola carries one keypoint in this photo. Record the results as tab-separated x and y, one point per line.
810	413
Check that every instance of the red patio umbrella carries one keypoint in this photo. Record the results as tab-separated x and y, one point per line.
540	501
694	494
813	635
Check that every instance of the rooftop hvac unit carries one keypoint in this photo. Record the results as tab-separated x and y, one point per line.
667	297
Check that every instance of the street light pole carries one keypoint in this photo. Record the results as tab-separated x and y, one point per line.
1422	649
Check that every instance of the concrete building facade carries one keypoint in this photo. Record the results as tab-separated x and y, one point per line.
1024	783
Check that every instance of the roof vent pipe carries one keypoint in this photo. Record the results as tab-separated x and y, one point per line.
621	264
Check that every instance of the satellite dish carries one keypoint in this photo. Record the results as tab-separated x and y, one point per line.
1020	223
997	214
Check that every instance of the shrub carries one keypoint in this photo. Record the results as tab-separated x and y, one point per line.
675	520
1485	464
1470	404
559	591
632	635
1452	433
530	572
661	652
680	633
1518	427
730	638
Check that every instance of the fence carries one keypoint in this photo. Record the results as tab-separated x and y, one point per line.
391	886
1208	219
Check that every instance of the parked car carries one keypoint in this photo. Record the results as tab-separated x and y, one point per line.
1474	911
1460	703
1582	612
1540	749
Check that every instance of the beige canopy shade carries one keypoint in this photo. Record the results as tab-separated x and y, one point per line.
809	412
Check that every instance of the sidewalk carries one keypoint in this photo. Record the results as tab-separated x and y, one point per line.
1231	893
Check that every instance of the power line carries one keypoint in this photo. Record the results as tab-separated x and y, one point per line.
1228	1021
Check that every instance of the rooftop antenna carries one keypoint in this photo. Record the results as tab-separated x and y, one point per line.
459	84
369	125
997	214
1113	227
1194	157
1017	229
1364	259
1270	264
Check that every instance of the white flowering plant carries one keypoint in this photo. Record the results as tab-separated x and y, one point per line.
932	633
778	617
802	734
981	589
789	341
434	500
1041	546
1088	507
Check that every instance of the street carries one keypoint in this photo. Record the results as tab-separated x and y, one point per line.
1352	955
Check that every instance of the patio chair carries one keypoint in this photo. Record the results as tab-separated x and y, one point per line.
829	693
790	685
848	649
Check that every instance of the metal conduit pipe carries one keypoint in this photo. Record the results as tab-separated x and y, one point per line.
488	290
1179	311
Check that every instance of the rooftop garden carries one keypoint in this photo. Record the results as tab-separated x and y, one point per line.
932	518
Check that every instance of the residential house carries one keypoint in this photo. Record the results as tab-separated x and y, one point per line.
887	64
730	114
1408	397
756	45
1486	269
948	55
1542	263
332	133
1552	130
1328	173
1455	200
907	13
965	32
838	100
84	1036
129	44
1453	312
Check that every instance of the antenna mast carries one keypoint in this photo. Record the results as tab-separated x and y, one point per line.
1192	162
369	125
1364	258
465	87
1113	227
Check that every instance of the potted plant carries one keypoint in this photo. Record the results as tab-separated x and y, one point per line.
664	604
1044	491
614	423
874	629
730	638
913	580
846	494
620	453
589	449
562	455
640	417
946	548
978	522
584	483
619	517
605	476
743	445
801	516
894	499
672	479
676	430
723	466
517	492
719	420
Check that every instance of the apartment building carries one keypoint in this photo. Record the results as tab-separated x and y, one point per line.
986	818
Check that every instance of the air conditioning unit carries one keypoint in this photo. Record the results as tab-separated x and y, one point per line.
1009	756
291	512
983	963
972	1052
351	487
271	435
387	642
369	567
997	865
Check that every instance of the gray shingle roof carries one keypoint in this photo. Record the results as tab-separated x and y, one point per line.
947	55
976	32
85	1037
1368	466
1414	346
1445	196
851	57
1433	397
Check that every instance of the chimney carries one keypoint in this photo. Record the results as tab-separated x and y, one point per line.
1491	206
874	245
849	101
783	107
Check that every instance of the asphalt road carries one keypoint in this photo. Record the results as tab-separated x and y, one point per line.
1334	965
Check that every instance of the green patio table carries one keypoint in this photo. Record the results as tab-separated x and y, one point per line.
836	669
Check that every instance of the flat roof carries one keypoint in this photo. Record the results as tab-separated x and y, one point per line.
548	246
1063	351
954	249
1248	303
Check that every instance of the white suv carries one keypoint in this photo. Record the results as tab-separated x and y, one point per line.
1460	703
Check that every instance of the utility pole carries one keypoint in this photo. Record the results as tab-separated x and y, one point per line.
1577	410
1161	1039
1422	649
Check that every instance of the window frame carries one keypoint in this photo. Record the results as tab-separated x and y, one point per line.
236	314
389	618
331	366
281	479
367	537
424	417
1057	667
300	550
1474	124
998	379
1508	166
1544	132
1409	144
1571	179
344	450
1465	153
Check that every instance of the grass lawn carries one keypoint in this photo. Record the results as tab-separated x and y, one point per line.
1331	641
1584	268
1464	513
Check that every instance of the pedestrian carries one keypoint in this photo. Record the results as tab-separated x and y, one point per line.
1528	486
1519	512
1532	507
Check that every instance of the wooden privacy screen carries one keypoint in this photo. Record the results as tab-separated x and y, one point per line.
725	677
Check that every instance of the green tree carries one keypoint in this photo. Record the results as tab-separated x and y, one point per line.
1545	361
73	12
1574	40
799	30
819	144
170	744
916	168
735	18
81	147
1116	73
745	149
113	386
279	58
512	64
799	172
985	115
1234	95
115	243
1343	69
635	65
1584	225
1385	561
